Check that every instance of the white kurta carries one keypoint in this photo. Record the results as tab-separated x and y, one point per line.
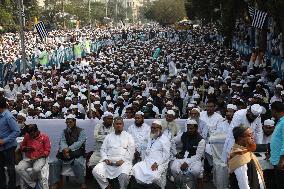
194	162
115	148
211	121
141	136
157	151
242	177
241	119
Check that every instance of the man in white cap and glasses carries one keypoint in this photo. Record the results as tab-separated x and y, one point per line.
187	166
153	169
268	128
170	127
100	132
251	118
140	132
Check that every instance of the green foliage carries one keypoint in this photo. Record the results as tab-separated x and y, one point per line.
166	11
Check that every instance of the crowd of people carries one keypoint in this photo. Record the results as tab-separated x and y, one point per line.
144	73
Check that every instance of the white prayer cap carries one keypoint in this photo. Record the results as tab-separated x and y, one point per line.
14	112
41	115
282	93
1	89
269	122
190	105
149	103
31	106
139	113
110	105
108	98
74	106
279	86
256	109
169	103
196	96
158	122
232	106
25	101
126	94
120	97
245	86
56	105
68	98
196	109
191	122
97	103
171	112
70	116
22	114
106	114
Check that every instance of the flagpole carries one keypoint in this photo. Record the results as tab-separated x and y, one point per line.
22	35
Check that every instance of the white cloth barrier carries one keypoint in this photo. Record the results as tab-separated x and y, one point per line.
54	127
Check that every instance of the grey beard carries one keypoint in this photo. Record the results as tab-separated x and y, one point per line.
154	135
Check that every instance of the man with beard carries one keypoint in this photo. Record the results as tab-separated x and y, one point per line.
117	154
250	117
71	152
21	119
152	170
202	127
187	166
140	132
101	131
244	168
268	128
170	127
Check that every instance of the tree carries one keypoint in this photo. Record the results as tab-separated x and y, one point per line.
166	11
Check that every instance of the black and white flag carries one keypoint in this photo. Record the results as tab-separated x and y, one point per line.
258	17
40	28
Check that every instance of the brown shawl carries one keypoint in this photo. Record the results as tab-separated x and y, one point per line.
240	156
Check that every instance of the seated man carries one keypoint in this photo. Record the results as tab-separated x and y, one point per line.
117	153
101	131
187	165
71	151
150	170
140	132
36	146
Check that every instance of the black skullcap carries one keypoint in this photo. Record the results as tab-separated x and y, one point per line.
239	131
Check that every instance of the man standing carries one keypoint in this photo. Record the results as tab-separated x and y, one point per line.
187	166
101	131
277	144
153	168
224	126
117	153
71	151
244	168
36	147
140	132
9	130
268	128
250	117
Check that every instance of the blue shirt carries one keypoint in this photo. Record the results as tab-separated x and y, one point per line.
9	130
277	142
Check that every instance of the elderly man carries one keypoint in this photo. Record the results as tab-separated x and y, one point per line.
140	132
268	128
244	168
117	153
250	117
36	146
71	151
170	127
202	127
101	131
153	168
187	165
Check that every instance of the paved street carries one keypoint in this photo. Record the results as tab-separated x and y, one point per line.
91	184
